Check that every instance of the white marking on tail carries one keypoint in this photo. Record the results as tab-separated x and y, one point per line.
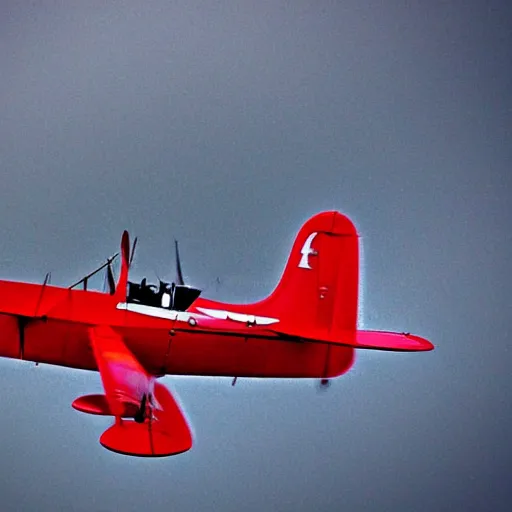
307	251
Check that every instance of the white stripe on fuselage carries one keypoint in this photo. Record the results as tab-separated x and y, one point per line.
168	314
184	316
238	317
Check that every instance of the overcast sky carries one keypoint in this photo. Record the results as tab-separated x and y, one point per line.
226	125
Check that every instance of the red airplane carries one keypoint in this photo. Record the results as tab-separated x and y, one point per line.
135	333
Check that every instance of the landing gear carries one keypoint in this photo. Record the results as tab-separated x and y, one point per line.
141	414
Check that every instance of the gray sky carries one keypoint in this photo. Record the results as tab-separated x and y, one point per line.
227	125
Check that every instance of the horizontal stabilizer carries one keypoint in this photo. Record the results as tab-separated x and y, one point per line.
373	340
383	340
165	433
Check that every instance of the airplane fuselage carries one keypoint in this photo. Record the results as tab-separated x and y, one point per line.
48	324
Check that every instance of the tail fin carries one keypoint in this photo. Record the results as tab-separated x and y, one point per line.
319	287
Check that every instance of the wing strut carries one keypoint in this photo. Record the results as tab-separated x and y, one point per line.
85	280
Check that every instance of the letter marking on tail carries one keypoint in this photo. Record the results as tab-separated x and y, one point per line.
306	251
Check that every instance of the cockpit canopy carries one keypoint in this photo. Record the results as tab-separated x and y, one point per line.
176	297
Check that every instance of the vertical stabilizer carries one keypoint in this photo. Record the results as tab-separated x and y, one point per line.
317	293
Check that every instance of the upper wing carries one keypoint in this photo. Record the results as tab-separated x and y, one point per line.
155	426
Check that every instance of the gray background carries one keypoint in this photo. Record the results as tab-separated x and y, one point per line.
227	124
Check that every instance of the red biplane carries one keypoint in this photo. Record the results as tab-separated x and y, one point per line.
136	332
